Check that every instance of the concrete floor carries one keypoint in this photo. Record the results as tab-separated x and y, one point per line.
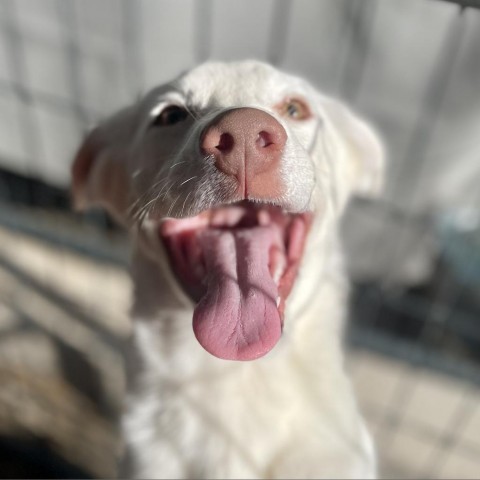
63	325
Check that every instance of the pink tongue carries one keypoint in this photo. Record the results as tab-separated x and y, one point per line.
238	319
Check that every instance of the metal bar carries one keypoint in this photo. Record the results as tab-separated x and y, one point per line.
342	42
464	3
279	31
202	18
431	106
131	17
67	18
360	21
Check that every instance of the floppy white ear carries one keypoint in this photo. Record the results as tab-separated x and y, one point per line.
99	173
363	147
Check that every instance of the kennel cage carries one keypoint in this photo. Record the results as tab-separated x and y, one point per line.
414	332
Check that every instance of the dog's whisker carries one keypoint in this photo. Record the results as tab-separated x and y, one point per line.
149	203
188	179
173	204
164	196
185	201
177	163
146	194
190	111
134	206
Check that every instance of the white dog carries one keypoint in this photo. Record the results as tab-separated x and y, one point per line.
233	178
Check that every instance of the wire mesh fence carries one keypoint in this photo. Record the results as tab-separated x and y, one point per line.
415	299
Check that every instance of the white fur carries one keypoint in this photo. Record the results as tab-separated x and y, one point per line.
292	413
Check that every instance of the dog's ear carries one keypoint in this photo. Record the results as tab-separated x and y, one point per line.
364	148
99	170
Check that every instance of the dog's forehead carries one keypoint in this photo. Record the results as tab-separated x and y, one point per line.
237	84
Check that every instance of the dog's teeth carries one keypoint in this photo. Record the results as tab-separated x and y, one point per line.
263	218
278	301
277	274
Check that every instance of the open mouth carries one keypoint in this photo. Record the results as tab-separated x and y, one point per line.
239	263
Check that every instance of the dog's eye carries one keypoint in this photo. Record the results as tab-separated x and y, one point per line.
295	108
170	116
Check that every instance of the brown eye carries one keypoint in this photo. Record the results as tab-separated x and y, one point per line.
170	116
295	109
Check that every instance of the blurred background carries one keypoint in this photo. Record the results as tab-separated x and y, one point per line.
412	67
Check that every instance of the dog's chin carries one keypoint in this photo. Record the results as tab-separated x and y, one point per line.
238	262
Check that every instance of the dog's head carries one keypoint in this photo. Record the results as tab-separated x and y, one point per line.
230	163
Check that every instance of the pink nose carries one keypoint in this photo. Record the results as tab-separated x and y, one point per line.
247	143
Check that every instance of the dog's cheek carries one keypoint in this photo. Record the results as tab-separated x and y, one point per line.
298	176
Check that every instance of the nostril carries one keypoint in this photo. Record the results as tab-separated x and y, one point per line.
264	139
225	143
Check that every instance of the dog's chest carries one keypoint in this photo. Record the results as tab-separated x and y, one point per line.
238	419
